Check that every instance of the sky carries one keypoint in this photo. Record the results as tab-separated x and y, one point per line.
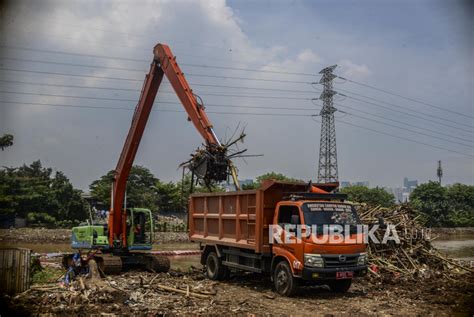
421	51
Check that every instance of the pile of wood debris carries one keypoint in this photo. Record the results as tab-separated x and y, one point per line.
414	256
132	293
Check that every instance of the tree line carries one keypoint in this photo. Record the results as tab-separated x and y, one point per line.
48	198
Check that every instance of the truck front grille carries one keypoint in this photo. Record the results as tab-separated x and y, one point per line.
338	260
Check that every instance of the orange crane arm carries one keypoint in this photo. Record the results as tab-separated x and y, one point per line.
185	94
164	63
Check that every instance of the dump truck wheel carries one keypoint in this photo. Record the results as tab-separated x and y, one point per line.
340	286
214	268
285	283
157	263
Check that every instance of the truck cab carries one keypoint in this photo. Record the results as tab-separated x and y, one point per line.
310	248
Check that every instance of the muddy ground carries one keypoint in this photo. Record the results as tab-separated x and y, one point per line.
140	293
189	292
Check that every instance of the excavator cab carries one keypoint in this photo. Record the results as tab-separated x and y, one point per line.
139	229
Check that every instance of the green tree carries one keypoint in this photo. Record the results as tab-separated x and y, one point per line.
271	175
5	141
444	206
169	197
430	200
141	190
371	196
30	190
147	191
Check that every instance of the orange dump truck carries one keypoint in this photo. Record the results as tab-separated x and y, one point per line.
266	231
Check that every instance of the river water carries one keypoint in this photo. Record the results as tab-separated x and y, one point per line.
458	246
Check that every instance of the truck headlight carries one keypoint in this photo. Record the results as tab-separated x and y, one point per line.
362	260
313	260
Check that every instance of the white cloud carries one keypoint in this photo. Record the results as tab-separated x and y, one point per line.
352	70
308	56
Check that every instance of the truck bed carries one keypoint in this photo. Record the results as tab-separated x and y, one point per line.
239	219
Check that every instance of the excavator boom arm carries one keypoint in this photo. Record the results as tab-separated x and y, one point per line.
185	94
164	63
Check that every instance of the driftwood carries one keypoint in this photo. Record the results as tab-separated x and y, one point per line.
414	256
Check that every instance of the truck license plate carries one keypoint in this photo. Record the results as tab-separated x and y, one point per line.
343	275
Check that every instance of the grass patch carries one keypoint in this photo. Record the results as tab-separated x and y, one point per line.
46	275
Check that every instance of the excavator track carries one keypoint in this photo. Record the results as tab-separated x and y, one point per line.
157	263
109	264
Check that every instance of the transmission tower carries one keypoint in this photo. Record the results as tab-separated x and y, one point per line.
439	172
327	169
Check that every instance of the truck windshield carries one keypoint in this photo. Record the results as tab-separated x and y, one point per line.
329	214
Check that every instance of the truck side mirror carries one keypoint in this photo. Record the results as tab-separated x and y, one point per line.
295	219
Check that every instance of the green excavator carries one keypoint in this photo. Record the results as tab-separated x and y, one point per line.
126	241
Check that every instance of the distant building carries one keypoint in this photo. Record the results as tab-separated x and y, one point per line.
344	184
397	193
402	194
406	197
410	185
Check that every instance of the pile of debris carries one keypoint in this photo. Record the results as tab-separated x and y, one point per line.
128	293
414	256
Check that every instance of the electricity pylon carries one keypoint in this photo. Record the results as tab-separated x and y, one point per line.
327	169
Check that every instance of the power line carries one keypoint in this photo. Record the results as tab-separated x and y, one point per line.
406	98
68	86
251	88
140	80
214	105
407	129
399	106
122	89
233	113
207	104
179	53
221	67
73	64
410	114
74	54
160	110
401	122
144	71
406	139
161	102
146	61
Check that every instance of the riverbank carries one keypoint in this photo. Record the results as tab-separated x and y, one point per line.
63	236
444	233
